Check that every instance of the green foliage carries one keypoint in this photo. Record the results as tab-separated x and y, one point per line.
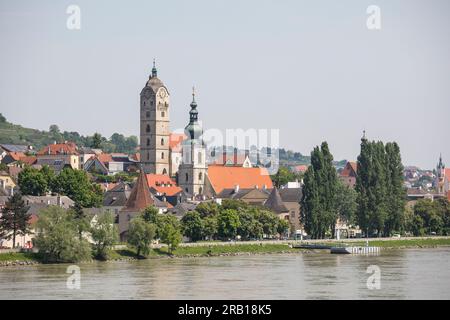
97	141
431	216
33	182
14	218
210	227
284	175
228	224
150	214
58	239
16	134
319	208
193	226
168	230
346	204
104	234
76	185
206	209
379	184
140	235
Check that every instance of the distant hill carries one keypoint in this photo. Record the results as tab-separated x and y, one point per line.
16	134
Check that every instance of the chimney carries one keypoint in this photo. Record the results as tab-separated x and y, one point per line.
236	188
224	154
247	153
235	157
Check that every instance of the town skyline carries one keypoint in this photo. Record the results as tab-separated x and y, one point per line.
333	98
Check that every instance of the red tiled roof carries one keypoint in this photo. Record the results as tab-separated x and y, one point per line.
17	155
225	177
140	196
175	140
59	148
104	157
229	158
349	170
301	168
30	160
162	184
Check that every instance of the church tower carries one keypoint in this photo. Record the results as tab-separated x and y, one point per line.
192	171
154	128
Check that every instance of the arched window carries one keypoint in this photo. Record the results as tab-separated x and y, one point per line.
162	114
147	129
200	190
148	156
187	177
162	155
187	190
164	171
148	142
162	141
199	157
147	114
200	176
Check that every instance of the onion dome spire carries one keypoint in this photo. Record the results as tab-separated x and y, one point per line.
154	71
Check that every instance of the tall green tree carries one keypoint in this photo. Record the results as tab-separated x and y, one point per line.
97	141
140	235
57	238
346	204
14	218
228	224
76	185
32	182
396	192
318	202
104	234
192	225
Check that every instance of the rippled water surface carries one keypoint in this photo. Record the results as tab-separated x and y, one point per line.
405	274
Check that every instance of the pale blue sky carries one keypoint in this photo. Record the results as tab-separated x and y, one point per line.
310	68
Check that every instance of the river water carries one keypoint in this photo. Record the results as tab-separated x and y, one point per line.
404	274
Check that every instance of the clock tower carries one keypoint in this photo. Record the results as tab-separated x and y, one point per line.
154	125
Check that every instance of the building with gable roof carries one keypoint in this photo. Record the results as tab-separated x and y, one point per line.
348	174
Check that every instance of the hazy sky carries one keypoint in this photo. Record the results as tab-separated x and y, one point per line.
310	68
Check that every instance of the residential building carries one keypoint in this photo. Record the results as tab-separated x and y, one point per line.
291	199
6	182
154	125
221	177
59	155
348	174
275	203
253	196
175	152
110	164
164	188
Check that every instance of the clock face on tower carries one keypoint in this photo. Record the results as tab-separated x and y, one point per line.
162	93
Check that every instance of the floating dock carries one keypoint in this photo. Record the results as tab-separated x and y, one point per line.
355	250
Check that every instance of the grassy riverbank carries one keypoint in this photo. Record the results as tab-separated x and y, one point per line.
237	248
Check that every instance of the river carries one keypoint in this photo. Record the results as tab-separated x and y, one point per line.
404	274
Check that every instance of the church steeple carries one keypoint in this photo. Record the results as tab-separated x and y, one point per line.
154	71
193	130
193	113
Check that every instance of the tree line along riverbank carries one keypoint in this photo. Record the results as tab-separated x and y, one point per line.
231	248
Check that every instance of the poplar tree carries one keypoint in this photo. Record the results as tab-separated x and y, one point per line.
318	203
396	193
